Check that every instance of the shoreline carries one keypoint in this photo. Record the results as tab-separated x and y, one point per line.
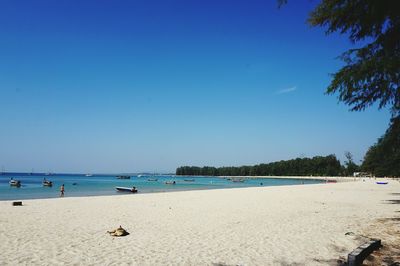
152	192
143	186
238	226
319	178
146	193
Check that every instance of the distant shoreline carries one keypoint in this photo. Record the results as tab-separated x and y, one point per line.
323	178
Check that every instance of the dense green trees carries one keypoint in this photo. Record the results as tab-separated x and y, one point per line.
349	165
383	158
317	166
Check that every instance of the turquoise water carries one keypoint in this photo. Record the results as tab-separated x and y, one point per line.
80	185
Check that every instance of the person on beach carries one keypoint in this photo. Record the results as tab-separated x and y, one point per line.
62	190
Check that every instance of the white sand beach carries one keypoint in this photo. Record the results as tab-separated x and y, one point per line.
288	225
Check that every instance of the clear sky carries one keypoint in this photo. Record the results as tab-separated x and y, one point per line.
127	86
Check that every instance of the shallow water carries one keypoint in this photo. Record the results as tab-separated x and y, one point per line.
81	185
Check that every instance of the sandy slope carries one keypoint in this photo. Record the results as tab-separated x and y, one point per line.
302	225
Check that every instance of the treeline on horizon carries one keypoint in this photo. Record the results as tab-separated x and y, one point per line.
382	159
316	166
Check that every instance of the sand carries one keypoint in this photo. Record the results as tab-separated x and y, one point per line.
288	225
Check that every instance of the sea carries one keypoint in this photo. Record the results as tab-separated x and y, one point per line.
78	185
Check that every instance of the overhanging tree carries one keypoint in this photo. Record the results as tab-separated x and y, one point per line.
371	73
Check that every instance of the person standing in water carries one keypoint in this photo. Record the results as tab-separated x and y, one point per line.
62	190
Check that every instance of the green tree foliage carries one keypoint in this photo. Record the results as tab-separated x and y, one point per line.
317	166
350	166
383	158
371	73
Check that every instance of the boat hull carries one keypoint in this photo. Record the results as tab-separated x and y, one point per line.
126	189
123	177
47	184
15	183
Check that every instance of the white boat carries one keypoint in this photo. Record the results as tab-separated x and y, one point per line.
126	189
15	183
47	183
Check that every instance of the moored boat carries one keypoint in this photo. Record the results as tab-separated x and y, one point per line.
123	177
15	183
126	189
152	179
47	183
170	183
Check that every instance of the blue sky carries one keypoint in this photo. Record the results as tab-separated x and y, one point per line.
126	86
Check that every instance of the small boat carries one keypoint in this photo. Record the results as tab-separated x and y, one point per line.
123	177
331	181
382	183
15	183
126	189
47	183
238	180
88	175
152	179
170	183
188	180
